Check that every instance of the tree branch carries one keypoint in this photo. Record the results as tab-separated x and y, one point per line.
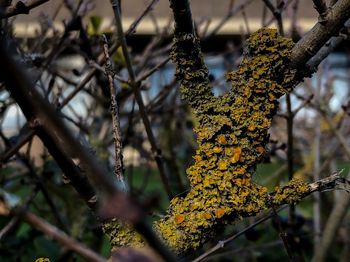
313	41
220	124
21	7
138	97
321	8
117	137
182	16
313	63
54	232
334	222
191	70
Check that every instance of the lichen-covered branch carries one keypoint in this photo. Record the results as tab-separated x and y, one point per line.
194	85
191	69
232	137
232	133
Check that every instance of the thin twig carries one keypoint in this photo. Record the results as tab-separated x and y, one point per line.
331	228
101	58
8	227
153	70
117	137
81	84
232	11
277	13
222	243
14	149
61	237
295	9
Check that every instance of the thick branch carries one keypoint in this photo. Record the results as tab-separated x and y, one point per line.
313	41
182	16
191	70
21	7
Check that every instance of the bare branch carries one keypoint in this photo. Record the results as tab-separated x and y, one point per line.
56	136
21	7
118	169
333	182
321	8
12	223
277	13
136	89
233	10
61	237
313	63
222	243
313	41
334	221
14	149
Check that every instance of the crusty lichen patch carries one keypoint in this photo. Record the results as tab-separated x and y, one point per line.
232	137
121	235
232	133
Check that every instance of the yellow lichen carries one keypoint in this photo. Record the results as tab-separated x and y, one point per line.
232	133
42	259
290	193
219	212
207	215
122	235
232	136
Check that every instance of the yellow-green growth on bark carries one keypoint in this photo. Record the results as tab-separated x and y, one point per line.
121	235
232	137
